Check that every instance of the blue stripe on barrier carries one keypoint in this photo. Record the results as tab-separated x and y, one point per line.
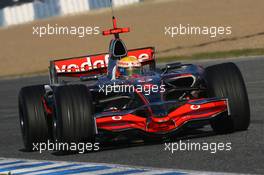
125	172
48	169
46	8
12	163
172	173
2	19
95	4
78	170
25	166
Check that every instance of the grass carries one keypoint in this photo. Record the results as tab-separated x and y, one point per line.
214	55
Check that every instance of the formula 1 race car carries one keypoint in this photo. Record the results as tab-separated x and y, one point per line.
93	96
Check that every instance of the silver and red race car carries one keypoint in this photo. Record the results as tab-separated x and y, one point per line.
86	100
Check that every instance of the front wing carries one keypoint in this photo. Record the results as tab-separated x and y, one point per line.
192	110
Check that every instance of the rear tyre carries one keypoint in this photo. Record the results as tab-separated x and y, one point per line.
225	80
73	121
33	121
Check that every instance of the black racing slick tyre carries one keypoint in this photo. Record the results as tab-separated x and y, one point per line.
73	121
225	80
33	121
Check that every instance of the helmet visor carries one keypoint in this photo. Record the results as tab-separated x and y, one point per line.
130	71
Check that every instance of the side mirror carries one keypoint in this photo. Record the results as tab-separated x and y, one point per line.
89	78
173	65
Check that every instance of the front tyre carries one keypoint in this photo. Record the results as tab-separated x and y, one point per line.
226	81
73	121
33	121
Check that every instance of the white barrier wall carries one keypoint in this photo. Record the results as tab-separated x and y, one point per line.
47	8
18	14
117	3
73	6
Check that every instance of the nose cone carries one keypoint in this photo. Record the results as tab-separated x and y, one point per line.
161	127
159	111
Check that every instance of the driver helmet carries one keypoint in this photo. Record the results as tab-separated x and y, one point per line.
129	66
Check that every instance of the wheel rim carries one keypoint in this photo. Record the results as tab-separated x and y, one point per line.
22	124
54	128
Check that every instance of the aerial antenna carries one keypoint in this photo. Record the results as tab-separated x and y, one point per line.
112	9
113	15
115	30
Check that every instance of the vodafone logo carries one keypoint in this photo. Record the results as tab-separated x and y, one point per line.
116	118
195	107
81	65
97	61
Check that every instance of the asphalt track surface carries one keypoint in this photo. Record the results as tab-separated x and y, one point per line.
246	155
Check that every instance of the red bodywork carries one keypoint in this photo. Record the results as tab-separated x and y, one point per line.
172	121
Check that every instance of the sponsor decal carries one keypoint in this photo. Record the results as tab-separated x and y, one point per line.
117	118
88	63
81	64
195	107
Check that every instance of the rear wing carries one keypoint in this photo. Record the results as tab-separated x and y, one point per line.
95	64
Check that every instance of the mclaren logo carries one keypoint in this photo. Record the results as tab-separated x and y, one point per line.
117	118
195	107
